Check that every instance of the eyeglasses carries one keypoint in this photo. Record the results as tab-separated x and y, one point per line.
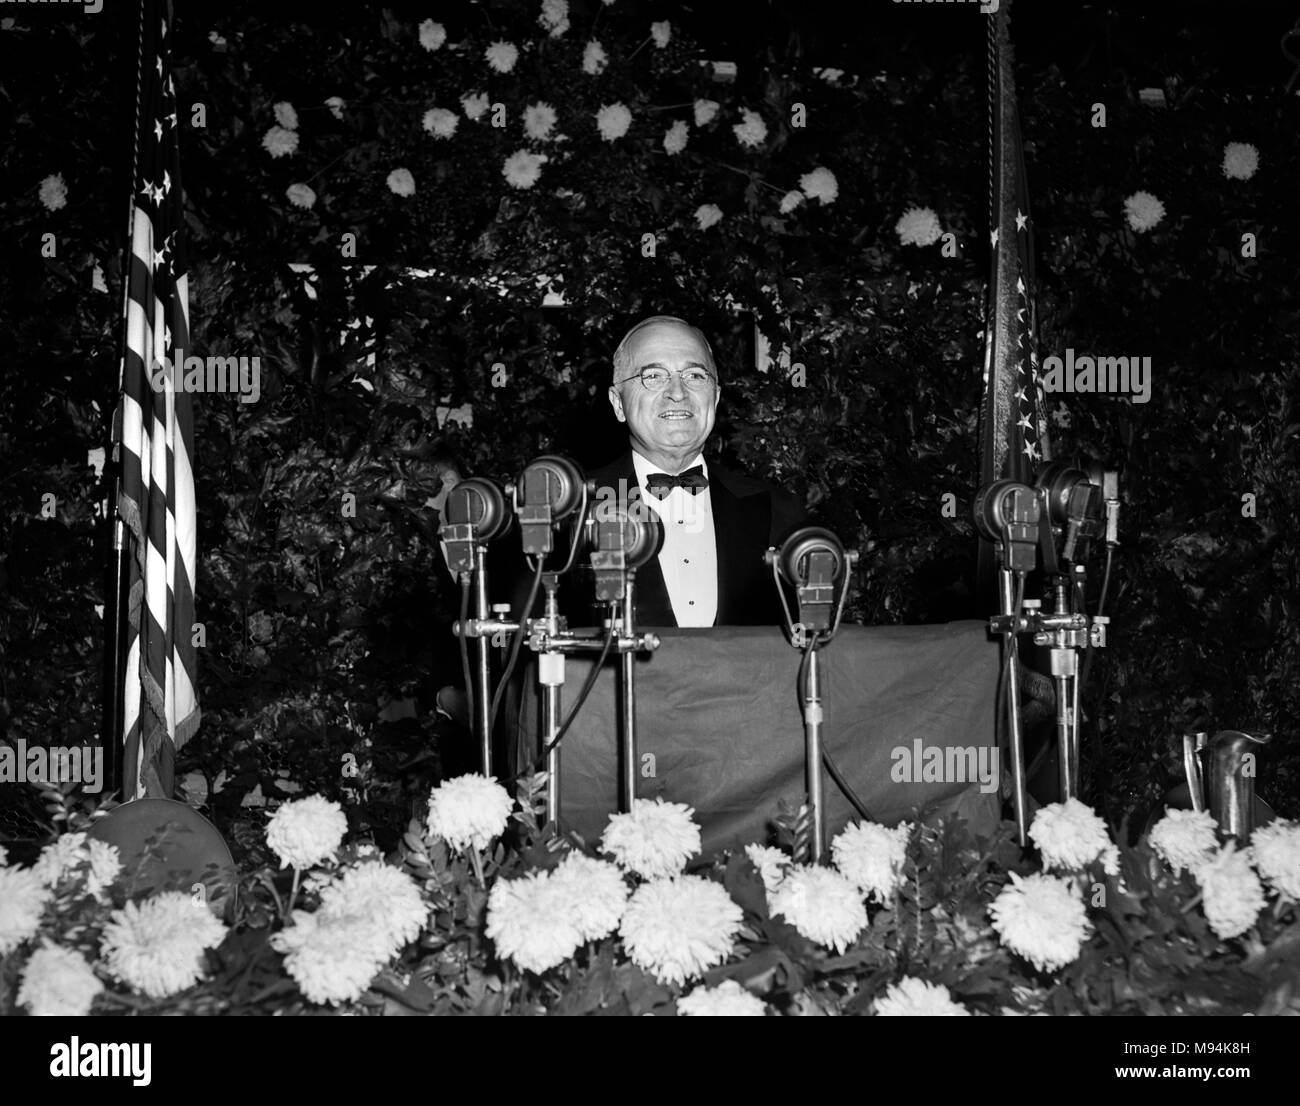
655	379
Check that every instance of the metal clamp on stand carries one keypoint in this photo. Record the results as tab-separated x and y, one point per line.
813	561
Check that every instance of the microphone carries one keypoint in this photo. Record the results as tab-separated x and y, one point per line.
812	561
1073	502
474	513
1009	512
625	538
547	492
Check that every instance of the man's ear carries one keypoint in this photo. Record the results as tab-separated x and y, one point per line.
616	402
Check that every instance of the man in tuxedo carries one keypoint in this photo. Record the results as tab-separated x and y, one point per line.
717	523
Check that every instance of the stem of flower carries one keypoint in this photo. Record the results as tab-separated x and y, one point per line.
293	892
477	863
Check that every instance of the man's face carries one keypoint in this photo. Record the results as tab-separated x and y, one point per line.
676	420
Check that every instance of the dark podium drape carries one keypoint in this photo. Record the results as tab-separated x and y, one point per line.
720	728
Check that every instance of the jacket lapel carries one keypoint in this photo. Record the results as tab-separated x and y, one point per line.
653	607
740	525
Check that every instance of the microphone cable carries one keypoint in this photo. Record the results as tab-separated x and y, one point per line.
464	644
587	685
515	646
827	759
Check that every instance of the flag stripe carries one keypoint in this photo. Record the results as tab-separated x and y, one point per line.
160	703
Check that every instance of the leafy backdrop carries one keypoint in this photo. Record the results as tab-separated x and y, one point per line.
326	635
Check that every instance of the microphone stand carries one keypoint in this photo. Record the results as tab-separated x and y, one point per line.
627	746
482	672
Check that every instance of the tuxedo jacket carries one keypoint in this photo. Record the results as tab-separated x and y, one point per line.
749	515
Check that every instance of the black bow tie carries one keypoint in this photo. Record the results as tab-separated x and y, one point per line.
659	484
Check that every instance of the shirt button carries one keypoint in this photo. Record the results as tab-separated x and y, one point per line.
686	560
691	602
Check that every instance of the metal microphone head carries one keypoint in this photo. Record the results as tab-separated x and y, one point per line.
1074	503
813	561
1008	512
547	492
625	538
474	514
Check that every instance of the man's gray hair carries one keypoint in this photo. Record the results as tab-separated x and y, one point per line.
623	360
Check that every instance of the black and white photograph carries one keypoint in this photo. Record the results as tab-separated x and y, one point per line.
631	507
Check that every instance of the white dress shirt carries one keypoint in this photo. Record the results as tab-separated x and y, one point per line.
689	557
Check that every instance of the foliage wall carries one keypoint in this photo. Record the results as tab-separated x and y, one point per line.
419	342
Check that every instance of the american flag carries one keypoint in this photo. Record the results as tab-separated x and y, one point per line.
160	703
1014	440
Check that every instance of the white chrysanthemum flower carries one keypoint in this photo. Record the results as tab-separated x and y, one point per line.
22	901
1231	893
301	195
502	56
1041	918
469	810
752	131
1275	849
820	185
75	854
661	32
555	16
772	864
382	895
475	105
1184	838
528	921
332	960
871	857
822	904
523	168
336	104
1240	160
705	110
654	839
58	982
707	215
280	142
679	928
915	998
613	120
285	115
432	35
918	226
1071	836
539	121
156	946
54	193
440	122
790	201
727	1000
306	832
594	59
1143	211
401	183
594	893
675	137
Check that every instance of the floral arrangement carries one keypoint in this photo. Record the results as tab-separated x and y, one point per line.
484	910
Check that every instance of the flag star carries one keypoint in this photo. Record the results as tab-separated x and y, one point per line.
159	260
171	118
167	181
1020	285
147	190
157	195
157	129
993	238
1031	451
163	32
159	65
1024	421
1020	314
1021	219
1020	395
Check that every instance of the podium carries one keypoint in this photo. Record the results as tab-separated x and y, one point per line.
909	721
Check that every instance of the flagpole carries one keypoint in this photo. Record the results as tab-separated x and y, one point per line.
115	610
